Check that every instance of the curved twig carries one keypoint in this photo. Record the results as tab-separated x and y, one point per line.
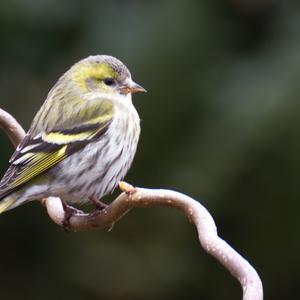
11	127
140	197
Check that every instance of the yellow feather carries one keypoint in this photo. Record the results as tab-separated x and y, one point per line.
6	204
84	71
62	138
43	162
104	112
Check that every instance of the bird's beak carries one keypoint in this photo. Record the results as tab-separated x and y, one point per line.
132	87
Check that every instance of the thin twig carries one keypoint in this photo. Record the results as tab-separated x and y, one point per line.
11	127
140	197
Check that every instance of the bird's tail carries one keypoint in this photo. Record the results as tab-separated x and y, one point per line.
7	202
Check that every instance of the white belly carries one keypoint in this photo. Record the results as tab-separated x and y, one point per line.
97	169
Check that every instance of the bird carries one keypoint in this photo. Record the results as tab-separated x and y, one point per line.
81	142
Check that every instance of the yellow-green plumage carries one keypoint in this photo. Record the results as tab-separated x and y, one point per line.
81	142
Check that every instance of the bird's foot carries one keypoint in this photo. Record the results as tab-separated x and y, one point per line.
99	205
69	212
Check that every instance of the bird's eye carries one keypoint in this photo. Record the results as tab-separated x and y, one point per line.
109	81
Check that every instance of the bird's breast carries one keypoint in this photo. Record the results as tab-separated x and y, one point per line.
97	169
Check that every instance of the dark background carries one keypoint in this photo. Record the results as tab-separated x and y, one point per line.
220	122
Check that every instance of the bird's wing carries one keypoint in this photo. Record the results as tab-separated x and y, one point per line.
39	152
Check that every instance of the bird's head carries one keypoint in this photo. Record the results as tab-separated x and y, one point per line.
104	74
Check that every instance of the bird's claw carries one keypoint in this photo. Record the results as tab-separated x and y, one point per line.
69	212
99	205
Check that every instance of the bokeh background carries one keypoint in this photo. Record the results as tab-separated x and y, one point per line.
220	122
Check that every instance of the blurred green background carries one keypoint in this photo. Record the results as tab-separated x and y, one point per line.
220	122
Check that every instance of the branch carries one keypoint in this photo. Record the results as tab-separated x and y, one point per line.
11	127
140	197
